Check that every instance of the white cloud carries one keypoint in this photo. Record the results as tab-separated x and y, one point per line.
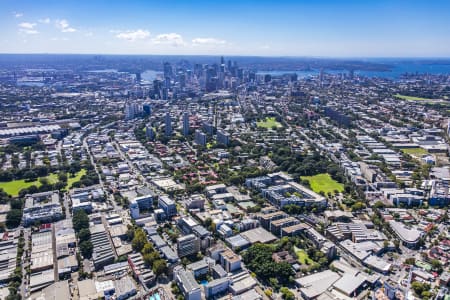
18	14
44	21
132	35
64	26
89	34
28	28
208	41
27	25
173	39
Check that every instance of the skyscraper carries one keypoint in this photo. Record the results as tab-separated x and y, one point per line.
185	123
168	122
167	70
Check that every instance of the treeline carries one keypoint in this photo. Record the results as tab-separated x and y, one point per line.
302	164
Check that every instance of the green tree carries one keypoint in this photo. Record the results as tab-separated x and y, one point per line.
80	220
139	240
148	248
159	267
84	235
86	249
150	258
13	218
287	294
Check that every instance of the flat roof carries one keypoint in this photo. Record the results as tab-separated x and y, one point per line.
408	235
349	283
315	284
258	234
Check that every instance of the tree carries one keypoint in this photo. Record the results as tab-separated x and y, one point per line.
287	294
397	244
410	261
437	265
139	240
86	248
80	220
150	258
159	267
148	248
84	235
13	218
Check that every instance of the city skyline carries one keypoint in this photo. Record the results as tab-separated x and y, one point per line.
262	28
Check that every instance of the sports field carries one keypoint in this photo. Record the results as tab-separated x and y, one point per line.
268	123
323	183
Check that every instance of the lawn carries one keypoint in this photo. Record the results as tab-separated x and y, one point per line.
323	183
77	177
13	187
268	123
303	257
414	151
411	98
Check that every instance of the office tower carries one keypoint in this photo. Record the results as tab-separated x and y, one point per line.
185	123
200	138
167	70
167	205
168	123
138	77
188	245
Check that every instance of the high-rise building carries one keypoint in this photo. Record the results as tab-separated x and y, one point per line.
200	138
185	123
131	111
147	109
150	132
168	123
223	137
157	88
188	245
167	70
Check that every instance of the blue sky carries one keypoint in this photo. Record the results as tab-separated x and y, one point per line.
372	28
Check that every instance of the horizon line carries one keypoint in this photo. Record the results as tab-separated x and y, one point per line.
235	55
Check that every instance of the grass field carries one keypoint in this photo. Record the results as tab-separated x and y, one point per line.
77	177
13	187
323	183
411	98
268	123
414	151
303	257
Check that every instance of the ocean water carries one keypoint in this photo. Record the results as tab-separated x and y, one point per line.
398	68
